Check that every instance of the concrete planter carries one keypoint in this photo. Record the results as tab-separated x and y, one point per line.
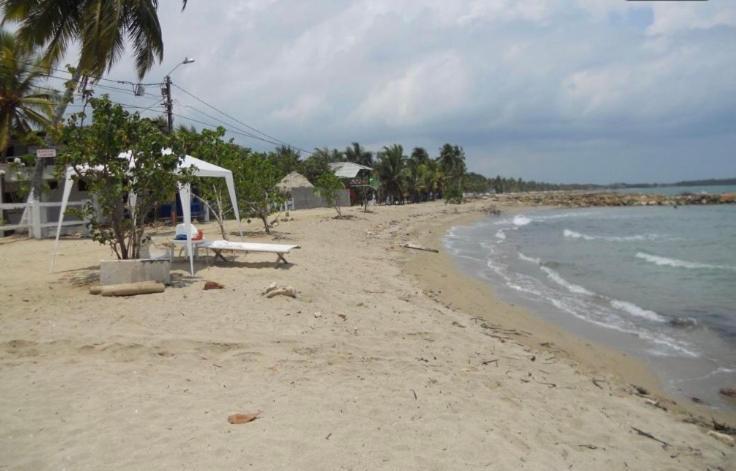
113	272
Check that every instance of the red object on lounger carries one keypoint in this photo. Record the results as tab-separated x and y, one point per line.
199	236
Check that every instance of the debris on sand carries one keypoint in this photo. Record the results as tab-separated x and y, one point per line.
277	290
237	419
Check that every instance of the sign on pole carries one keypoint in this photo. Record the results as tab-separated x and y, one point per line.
45	153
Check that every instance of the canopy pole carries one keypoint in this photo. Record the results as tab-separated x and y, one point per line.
68	184
184	196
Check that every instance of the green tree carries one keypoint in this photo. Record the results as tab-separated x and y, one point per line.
210	147
452	164
23	106
390	170
315	165
255	180
285	159
93	152
356	153
327	186
101	28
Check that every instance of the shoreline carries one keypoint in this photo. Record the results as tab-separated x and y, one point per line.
364	369
478	298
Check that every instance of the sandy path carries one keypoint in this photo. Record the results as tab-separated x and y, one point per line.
364	370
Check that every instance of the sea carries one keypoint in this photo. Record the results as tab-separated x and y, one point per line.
658	283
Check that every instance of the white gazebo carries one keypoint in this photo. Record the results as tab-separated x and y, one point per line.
201	169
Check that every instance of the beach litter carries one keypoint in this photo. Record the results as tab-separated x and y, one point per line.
237	419
213	285
277	290
413	246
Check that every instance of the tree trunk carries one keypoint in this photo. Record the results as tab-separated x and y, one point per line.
264	218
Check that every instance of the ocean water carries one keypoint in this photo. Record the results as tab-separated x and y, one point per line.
655	282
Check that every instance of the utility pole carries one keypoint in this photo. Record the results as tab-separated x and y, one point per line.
168	104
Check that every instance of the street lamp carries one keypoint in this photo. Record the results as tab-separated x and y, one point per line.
167	94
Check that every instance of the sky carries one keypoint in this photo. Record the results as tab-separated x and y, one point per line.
556	90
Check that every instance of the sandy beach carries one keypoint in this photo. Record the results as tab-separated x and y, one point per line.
388	358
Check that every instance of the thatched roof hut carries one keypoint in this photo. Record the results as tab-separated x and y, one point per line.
292	181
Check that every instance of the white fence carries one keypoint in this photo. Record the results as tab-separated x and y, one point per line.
35	218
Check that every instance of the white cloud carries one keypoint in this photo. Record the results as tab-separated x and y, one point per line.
489	75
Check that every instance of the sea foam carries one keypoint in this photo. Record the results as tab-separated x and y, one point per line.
637	311
579	235
521	221
571	287
673	262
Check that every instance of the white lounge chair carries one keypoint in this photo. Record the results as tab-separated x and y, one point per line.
217	246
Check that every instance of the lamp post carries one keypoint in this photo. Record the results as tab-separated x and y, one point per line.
166	91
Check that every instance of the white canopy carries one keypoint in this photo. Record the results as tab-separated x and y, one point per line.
201	169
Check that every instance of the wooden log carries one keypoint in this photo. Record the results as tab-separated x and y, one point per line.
132	289
419	247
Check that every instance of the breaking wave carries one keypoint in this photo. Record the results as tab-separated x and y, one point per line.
673	262
578	235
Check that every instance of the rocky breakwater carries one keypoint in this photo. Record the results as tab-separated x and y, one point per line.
579	199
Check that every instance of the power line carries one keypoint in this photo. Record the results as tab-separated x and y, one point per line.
278	141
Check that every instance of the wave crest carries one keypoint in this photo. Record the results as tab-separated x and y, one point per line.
673	262
639	237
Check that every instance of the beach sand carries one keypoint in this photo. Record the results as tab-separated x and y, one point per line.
370	367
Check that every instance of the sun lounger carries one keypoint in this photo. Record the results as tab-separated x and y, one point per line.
217	246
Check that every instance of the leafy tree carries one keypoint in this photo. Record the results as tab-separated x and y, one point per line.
390	170
356	153
100	27
210	146
327	186
285	159
256	178
315	165
476	183
23	106
93	150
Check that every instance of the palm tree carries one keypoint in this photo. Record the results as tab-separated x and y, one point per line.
101	27
356	153
23	106
420	155
390	170
452	164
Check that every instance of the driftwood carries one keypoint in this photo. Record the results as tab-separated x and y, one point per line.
650	436
419	247
132	289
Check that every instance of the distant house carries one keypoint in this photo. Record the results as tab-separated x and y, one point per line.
300	193
356	178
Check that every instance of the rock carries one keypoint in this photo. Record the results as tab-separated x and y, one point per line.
317	315
212	285
728	392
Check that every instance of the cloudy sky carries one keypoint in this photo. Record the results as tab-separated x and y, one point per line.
555	90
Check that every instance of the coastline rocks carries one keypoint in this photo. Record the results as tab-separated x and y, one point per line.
581	199
728	392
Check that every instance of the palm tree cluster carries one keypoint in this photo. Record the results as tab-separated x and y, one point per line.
23	105
402	178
